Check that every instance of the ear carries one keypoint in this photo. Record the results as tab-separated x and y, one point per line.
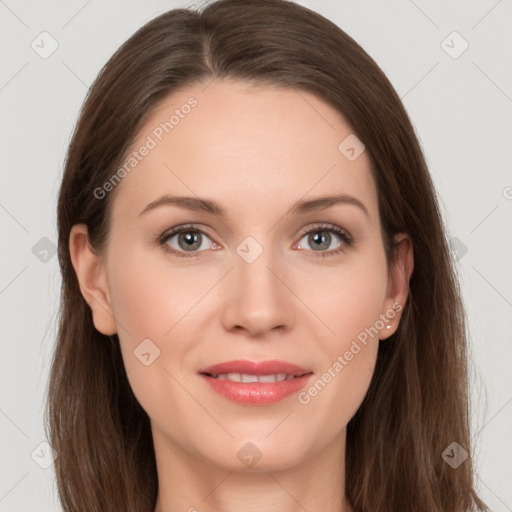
398	285
91	276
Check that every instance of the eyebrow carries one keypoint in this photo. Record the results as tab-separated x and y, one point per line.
209	206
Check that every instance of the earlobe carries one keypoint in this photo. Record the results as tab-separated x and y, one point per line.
398	284
90	272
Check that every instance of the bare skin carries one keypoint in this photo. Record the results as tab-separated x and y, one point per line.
255	151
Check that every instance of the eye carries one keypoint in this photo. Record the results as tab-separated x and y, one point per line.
186	239
190	239
321	238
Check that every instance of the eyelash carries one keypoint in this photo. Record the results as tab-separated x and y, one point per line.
346	238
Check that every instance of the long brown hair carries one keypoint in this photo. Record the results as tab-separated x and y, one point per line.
418	400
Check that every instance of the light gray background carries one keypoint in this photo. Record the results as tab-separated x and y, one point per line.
461	109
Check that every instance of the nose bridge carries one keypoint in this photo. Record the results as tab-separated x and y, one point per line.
259	300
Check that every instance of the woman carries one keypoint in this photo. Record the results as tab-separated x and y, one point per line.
259	310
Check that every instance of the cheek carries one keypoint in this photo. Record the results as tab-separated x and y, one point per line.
149	297
146	307
153	300
348	355
349	305
347	299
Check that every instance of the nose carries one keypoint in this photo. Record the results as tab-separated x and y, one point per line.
258	298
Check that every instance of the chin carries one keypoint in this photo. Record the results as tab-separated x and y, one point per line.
253	454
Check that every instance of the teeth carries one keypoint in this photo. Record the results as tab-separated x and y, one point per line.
268	378
248	378
244	377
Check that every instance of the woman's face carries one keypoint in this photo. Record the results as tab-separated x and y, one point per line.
248	285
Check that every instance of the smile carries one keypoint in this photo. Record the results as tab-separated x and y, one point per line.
256	383
245	377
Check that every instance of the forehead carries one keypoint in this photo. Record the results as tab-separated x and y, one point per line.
245	146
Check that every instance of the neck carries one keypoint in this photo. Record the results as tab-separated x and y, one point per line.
191	484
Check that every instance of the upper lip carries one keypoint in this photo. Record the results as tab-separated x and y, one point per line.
255	368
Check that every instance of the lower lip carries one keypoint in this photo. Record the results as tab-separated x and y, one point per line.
257	393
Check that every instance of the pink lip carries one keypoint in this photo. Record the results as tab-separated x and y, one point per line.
256	393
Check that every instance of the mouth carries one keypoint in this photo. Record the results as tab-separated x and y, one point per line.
256	383
247	377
